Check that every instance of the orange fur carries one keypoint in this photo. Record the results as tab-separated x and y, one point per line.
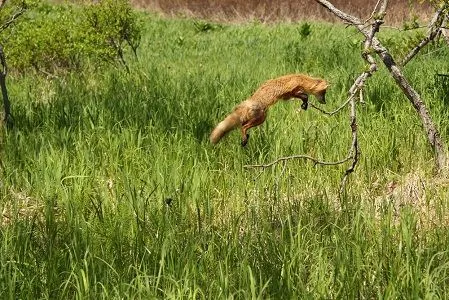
252	112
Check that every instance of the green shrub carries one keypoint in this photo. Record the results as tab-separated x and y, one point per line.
56	38
112	24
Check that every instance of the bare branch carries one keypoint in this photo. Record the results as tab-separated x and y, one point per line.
344	16
4	70
433	31
354	150
404	29
383	8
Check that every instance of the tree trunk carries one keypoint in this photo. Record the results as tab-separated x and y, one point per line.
433	135
6	104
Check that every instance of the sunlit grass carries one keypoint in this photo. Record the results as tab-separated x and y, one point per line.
110	189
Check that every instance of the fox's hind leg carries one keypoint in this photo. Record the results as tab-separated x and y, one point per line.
257	120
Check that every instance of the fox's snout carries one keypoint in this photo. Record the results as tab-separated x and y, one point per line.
321	98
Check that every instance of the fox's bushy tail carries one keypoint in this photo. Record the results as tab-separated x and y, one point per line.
229	123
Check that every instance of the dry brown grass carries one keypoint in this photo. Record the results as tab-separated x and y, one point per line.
282	10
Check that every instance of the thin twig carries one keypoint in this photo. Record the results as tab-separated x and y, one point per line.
432	33
404	29
331	113
307	157
445	29
354	151
12	19
374	11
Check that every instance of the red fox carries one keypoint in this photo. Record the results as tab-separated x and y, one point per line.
253	111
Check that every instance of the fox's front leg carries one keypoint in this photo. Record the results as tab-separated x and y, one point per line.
305	99
303	96
305	103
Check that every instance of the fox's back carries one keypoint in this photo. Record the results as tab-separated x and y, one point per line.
282	87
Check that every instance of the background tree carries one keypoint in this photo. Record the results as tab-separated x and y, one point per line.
8	15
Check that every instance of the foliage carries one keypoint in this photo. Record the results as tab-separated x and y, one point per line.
204	26
304	30
53	38
112	24
10	7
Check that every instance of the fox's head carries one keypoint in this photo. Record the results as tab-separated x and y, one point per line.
321	97
320	91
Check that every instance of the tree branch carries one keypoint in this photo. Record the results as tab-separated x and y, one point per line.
344	16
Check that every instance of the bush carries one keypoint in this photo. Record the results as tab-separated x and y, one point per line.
57	38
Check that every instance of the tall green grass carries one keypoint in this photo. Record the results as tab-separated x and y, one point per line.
110	188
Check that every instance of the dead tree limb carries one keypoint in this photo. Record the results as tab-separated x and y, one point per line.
432	133
315	161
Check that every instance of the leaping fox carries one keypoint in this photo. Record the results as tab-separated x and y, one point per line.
253	111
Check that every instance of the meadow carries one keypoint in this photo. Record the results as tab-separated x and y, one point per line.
110	189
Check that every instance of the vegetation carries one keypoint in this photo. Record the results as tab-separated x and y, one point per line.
67	37
110	189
